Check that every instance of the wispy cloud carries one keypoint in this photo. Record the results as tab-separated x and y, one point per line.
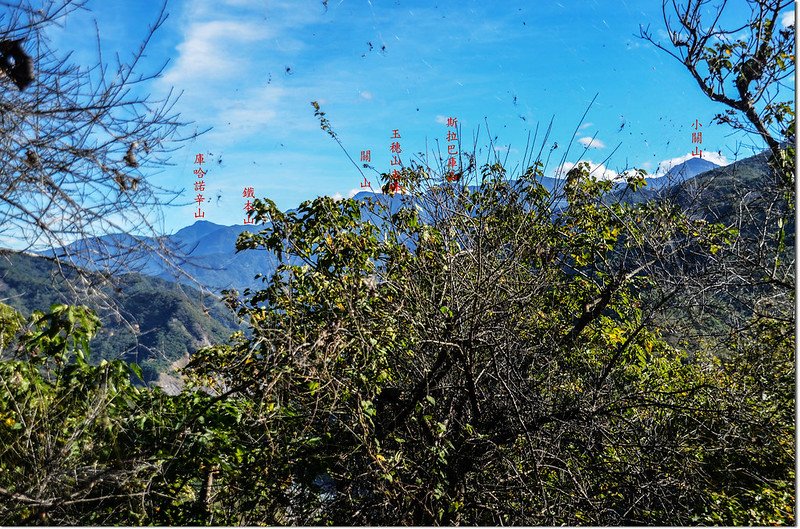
787	19
591	143
662	34
233	65
211	51
586	126
250	112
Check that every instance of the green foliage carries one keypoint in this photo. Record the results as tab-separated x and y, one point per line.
481	355
494	365
62	332
58	412
753	482
80	443
147	319
488	358
11	322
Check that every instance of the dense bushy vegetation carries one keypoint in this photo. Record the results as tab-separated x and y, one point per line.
486	354
499	362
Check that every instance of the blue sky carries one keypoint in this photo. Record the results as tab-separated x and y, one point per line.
250	68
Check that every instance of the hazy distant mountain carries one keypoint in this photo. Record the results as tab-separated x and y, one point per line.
200	255
205	238
207	253
678	174
197	231
681	172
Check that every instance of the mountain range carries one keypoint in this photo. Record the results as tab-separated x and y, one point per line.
203	254
155	315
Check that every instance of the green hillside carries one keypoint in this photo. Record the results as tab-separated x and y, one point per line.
145	319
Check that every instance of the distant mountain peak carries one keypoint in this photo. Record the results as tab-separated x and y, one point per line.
201	224
689	169
196	231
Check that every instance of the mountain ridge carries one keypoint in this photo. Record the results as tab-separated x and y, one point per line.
206	253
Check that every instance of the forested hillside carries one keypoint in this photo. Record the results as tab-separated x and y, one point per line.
146	320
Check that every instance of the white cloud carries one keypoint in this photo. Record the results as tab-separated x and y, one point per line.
591	143
787	19
248	113
442	120
350	194
597	170
586	126
366	94
665	165
209	51
230	66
